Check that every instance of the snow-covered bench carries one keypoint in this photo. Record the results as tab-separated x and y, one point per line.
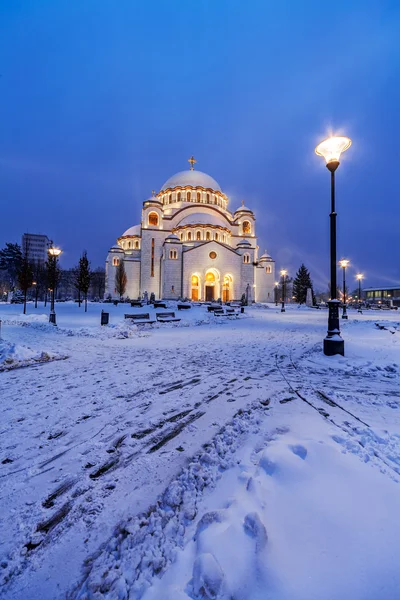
166	317
140	319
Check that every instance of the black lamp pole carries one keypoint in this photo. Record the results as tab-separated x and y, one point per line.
344	314
333	342
359	295
276	295
283	293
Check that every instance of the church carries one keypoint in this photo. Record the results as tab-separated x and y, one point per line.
190	245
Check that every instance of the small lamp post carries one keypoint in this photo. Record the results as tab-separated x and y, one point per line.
331	149
54	253
344	263
34	283
276	292
359	278
283	274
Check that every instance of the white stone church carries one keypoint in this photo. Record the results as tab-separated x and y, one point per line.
190	245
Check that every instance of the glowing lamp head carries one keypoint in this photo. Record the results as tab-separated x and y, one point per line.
276	283
359	276
283	272
54	251
33	282
344	263
332	148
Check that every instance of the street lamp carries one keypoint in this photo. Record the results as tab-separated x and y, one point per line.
54	253
359	277
331	149
34	283
283	274
344	263
276	292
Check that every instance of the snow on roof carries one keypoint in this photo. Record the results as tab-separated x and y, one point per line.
243	243
172	238
191	178
135	230
202	219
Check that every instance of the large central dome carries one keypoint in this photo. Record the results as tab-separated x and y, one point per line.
191	178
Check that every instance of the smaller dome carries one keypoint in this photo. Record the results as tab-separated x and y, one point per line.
116	248
243	243
132	231
153	199
172	238
243	208
265	256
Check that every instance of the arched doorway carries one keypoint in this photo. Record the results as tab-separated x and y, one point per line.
211	285
227	289
195	283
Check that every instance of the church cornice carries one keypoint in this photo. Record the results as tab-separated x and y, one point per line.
212	242
197	188
197	205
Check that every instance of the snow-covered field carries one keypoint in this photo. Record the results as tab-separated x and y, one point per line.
214	458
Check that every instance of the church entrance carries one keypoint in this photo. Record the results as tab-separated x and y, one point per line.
226	288
195	288
209	293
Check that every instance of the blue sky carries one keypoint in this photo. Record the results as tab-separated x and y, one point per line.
101	101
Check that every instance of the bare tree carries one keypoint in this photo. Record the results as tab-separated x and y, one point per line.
24	276
83	277
120	279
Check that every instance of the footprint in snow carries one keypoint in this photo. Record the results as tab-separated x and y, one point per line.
299	450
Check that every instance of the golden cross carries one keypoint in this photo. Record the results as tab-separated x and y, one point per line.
242	202
153	192
192	162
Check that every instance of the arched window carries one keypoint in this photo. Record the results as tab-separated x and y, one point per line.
198	235
210	277
198	196
189	196
179	197
115	262
181	237
208	236
130	245
173	254
195	280
169	198
268	269
136	245
216	237
189	235
246	258
246	227
208	198
153	219
195	288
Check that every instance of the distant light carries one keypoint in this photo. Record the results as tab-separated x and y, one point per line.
332	148
344	263
54	251
276	283
283	272
359	276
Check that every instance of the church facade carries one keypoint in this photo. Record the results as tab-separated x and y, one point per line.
190	245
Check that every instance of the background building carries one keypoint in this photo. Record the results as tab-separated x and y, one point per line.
387	295
35	246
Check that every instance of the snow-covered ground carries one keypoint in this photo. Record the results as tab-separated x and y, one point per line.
214	458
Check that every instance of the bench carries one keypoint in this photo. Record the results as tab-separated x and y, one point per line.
166	317
136	303
140	319
184	306
213	307
160	305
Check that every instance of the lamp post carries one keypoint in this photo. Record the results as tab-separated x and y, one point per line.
276	292
34	283
283	274
344	263
54	253
359	277
331	149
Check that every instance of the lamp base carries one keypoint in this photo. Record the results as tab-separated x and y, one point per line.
52	318
334	345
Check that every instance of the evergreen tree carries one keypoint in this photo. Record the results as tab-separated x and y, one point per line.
120	279
24	277
10	262
301	283
83	277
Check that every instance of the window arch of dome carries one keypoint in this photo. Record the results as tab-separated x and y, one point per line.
198	235
208	235
153	219
246	258
178	197
188	196
198	196
136	244
246	227
189	235
216	236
